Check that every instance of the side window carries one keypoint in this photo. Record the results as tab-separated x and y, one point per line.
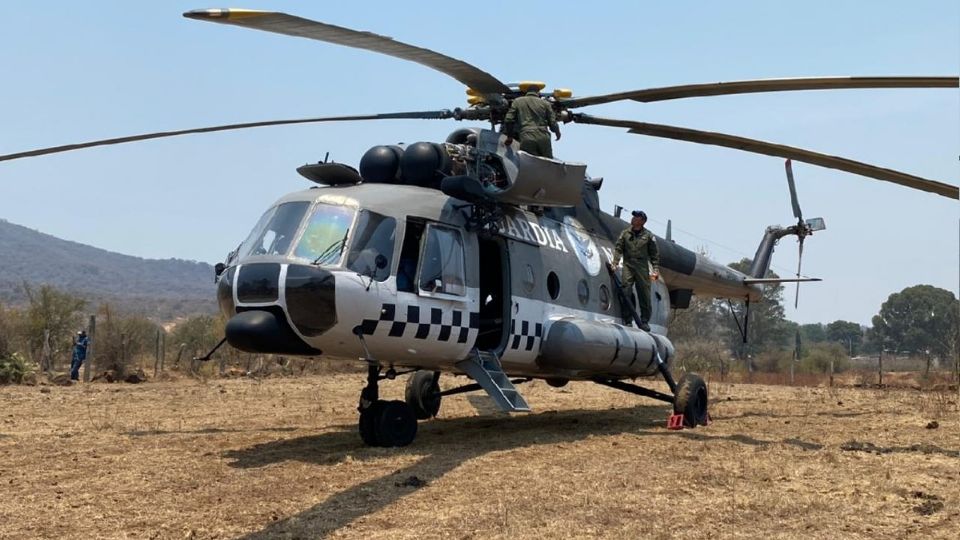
372	249
441	264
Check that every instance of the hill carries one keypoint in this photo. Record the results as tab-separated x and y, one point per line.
161	289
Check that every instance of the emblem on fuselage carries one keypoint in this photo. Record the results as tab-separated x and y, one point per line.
583	245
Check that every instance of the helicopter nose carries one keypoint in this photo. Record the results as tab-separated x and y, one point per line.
301	304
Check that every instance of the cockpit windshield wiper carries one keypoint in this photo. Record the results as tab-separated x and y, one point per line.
334	248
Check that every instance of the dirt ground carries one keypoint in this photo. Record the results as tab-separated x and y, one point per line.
281	458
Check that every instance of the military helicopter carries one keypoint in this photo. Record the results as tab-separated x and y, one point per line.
474	258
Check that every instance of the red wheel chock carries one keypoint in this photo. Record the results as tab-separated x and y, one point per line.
675	421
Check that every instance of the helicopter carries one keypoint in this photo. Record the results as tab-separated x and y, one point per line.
474	258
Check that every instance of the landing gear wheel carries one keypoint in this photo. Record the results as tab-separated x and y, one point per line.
691	400
421	394
368	422
396	425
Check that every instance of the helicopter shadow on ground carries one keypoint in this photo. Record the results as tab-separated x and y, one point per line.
843	414
737	438
444	444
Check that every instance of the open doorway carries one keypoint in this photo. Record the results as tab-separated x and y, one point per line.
494	295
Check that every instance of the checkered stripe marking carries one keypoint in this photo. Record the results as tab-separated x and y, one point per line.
423	320
528	335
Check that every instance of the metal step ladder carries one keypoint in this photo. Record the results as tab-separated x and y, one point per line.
484	367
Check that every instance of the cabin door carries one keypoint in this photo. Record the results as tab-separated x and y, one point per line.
495	299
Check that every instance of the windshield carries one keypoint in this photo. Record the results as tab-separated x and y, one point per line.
325	234
275	230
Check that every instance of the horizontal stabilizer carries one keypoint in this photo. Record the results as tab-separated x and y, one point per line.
766	281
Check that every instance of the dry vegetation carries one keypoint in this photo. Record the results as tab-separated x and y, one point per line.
280	458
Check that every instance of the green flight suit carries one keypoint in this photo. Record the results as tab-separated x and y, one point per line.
639	251
529	119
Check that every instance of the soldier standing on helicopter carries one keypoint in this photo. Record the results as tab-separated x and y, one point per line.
529	118
638	248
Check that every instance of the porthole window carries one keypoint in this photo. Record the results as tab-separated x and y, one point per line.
553	285
529	280
583	292
604	298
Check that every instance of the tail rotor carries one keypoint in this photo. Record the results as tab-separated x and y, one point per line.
803	228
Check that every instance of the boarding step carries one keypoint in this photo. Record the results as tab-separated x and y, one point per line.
484	367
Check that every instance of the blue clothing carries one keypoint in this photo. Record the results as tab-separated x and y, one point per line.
80	348
79	355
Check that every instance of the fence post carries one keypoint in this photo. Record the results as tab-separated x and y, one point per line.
91	348
831	371
163	348
123	352
880	367
45	361
156	354
183	346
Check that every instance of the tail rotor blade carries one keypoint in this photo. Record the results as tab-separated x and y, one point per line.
793	191
796	298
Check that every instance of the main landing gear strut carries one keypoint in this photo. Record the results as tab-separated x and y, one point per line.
384	423
689	398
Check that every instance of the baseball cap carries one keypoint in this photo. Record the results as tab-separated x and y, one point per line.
639	214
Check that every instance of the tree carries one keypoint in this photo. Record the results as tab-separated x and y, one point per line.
849	334
198	334
768	328
121	338
813	333
5	331
919	319
700	321
50	310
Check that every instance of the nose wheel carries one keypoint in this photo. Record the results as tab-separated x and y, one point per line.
384	423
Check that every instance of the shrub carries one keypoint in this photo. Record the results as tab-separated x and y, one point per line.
13	369
817	358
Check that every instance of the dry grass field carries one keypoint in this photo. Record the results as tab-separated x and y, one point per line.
281	458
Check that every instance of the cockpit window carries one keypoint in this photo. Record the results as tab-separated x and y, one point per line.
371	249
325	234
276	229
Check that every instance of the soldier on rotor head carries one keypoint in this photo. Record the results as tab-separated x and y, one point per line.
529	118
638	248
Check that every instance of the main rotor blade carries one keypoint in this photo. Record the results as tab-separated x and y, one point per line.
778	150
282	23
793	191
428	115
764	85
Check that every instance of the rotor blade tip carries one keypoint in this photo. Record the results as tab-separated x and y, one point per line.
223	13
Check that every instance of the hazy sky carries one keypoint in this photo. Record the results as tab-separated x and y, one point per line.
76	71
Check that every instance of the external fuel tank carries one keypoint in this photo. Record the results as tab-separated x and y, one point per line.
579	344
